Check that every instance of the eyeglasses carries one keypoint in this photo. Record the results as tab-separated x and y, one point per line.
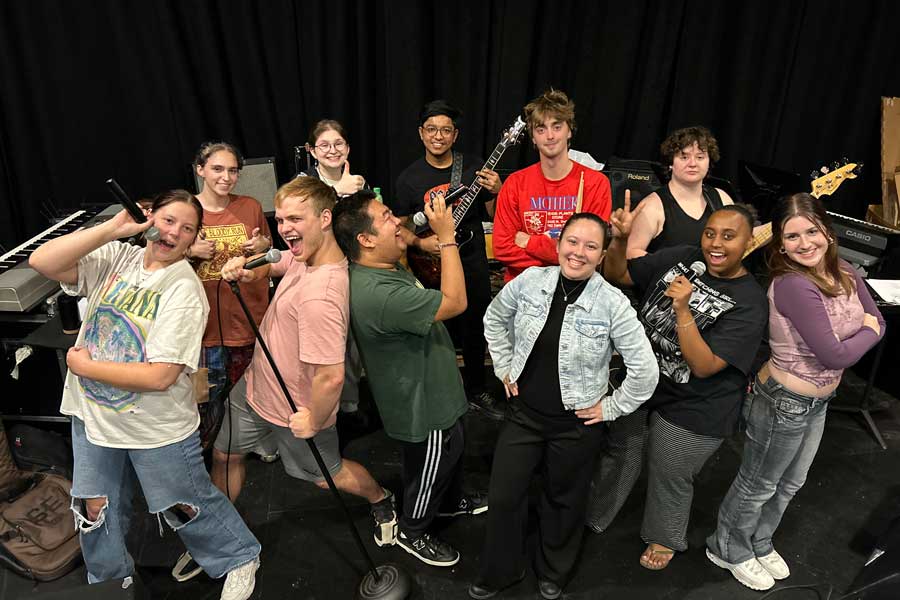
325	146
431	130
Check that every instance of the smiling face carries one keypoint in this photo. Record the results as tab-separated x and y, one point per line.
331	149
178	224
723	243
438	134
387	243
220	173
690	164
551	137
580	249
301	228
804	242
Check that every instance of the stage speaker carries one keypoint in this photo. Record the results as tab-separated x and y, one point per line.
108	590
257	179
639	176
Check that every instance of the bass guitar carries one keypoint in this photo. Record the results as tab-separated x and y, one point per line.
822	185
427	266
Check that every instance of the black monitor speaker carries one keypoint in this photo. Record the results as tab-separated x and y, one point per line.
639	176
257	179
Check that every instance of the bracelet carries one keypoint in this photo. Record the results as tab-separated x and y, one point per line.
446	245
685	326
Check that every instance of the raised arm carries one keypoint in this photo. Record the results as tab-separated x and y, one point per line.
615	265
58	258
647	225
453	281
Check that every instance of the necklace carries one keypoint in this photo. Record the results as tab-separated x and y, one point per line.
565	292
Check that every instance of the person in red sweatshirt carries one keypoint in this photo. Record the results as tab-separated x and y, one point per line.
536	201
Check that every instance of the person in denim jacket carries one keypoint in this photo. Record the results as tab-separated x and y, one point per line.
821	321
551	333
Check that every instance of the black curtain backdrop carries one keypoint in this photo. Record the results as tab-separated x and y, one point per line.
129	89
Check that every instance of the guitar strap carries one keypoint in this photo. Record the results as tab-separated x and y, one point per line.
456	171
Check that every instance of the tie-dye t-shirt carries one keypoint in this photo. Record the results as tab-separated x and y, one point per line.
135	315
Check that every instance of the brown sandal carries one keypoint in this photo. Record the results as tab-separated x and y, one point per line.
656	557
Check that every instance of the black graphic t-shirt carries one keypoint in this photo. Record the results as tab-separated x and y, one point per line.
421	181
731	315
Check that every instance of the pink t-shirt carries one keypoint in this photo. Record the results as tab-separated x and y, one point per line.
306	325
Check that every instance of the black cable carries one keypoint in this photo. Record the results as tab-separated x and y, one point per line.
869	585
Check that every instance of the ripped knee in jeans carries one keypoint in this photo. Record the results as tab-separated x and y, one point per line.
92	514
179	515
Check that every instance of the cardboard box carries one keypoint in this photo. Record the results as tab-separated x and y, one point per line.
890	159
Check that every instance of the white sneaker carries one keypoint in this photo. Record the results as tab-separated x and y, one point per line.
775	565
750	572
240	582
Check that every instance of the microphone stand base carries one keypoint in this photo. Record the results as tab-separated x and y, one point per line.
393	584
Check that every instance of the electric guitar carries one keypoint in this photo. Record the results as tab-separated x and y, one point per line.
427	266
822	185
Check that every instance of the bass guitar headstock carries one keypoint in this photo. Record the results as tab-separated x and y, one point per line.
827	180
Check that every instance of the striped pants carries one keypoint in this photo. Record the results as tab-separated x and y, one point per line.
674	458
432	477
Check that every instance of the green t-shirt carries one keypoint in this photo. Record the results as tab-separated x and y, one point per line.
409	358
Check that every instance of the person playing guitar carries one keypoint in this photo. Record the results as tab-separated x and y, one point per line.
440	169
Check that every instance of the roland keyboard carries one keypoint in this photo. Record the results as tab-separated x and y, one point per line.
21	287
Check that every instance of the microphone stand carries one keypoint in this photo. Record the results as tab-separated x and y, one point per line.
385	582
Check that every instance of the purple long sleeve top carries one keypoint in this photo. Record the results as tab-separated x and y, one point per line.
814	336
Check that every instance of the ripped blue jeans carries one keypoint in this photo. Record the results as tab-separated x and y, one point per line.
783	434
169	476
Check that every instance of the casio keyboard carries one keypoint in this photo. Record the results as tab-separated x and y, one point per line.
21	287
863	243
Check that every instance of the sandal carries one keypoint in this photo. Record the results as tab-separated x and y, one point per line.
656	557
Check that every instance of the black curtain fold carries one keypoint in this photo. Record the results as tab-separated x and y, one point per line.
130	89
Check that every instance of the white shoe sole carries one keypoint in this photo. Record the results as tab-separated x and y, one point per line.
730	568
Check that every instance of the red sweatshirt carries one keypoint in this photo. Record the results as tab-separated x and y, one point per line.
530	202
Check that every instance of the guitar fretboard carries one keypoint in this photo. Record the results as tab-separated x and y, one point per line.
460	211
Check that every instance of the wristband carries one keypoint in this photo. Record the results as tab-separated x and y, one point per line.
446	245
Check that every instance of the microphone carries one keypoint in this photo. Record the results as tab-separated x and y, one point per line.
272	256
699	268
133	209
420	219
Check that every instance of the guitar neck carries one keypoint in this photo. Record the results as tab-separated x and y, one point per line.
760	238
460	211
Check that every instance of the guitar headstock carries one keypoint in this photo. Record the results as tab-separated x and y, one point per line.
511	136
827	180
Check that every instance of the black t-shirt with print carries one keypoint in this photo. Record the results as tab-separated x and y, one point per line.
731	315
420	180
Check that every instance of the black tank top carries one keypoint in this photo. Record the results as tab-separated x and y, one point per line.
680	227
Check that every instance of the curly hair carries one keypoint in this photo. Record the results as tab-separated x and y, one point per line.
686	137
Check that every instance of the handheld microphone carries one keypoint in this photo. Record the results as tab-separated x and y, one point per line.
133	209
272	256
699	268
420	219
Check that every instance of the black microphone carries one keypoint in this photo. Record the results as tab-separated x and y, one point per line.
699	268
133	209
272	256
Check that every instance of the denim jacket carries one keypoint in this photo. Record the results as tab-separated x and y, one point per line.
600	319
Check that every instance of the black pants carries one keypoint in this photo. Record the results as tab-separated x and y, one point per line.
432	477
467	329
566	460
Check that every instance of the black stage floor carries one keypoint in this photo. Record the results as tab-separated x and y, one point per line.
308	551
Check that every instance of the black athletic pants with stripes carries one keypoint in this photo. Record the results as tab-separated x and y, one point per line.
564	458
432	477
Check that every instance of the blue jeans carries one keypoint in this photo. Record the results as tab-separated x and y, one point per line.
783	434
172	475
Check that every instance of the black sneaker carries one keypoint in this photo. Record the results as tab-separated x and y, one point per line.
430	550
385	516
473	504
487	404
